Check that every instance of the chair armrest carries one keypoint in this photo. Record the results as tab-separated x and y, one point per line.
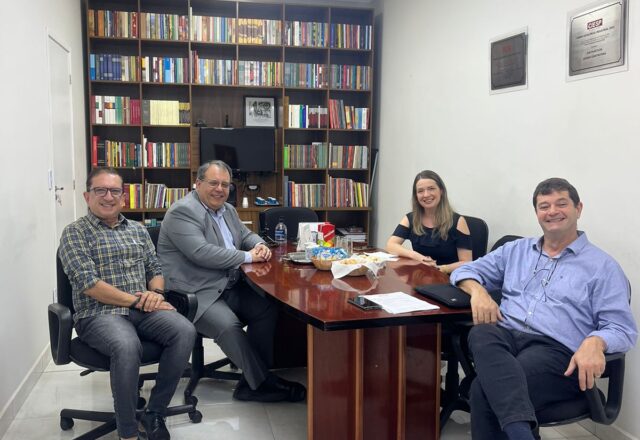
185	303
60	327
607	411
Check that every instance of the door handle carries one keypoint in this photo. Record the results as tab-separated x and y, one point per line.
59	188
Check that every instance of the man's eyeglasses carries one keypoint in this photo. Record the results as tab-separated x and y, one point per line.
216	183
101	192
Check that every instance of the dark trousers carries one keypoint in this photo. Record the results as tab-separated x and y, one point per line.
118	336
518	374
224	321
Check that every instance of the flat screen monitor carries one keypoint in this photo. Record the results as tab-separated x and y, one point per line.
243	149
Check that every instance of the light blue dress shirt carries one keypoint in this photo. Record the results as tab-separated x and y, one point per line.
579	293
217	216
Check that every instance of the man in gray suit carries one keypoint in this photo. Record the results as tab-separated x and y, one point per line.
202	243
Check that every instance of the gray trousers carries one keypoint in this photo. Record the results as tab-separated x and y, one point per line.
118	336
251	351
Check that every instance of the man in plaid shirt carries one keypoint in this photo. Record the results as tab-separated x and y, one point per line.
117	296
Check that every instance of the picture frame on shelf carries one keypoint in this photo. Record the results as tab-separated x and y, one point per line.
260	111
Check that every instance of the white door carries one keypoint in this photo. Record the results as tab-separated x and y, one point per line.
62	178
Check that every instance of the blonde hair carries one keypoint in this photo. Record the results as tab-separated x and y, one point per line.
444	212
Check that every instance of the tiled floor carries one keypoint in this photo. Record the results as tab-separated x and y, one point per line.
223	418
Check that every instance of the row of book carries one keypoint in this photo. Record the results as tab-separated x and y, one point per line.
347	117
214	72
171	70
260	73
164	69
350	36
155	196
211	29
321	154
159	196
259	31
105	152
124	110
307	34
347	193
306	195
349	156
350	77
115	110
112	24
306	116
305	156
305	75
113	67
165	112
164	26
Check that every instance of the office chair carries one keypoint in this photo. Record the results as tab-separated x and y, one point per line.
65	349
455	333
187	304
592	404
269	218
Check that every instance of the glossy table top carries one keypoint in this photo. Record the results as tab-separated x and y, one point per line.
317	298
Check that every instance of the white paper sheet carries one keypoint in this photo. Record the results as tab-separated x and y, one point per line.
399	302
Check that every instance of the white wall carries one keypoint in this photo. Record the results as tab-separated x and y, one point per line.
491	150
26	219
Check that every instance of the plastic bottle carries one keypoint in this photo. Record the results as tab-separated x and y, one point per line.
281	232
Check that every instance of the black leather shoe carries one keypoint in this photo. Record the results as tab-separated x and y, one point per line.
296	392
263	394
154	427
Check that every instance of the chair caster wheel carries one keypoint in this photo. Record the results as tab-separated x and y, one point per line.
66	423
141	402
191	400
195	416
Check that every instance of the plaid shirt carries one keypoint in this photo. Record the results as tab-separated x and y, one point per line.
122	256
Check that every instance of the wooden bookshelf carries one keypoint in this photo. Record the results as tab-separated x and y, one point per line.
147	52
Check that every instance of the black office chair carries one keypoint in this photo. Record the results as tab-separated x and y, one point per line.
592	404
269	218
454	334
479	232
64	350
187	304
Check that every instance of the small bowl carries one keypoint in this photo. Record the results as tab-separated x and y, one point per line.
322	264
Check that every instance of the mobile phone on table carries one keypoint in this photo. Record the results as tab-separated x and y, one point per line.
363	303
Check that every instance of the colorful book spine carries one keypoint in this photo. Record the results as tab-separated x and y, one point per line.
121	110
350	77
260	73
113	67
259	31
306	195
349	156
165	112
166	154
306	34
214	72
213	29
112	24
155	26
305	156
306	116
305	75
347	193
165	70
350	36
347	117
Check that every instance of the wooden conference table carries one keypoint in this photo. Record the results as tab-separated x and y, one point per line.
371	375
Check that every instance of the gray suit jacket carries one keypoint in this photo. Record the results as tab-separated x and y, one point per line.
191	249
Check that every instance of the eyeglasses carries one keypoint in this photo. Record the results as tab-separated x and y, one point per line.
217	183
101	192
547	270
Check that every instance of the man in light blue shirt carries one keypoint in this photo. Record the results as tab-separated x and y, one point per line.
564	304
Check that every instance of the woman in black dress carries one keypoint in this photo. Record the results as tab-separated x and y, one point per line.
439	237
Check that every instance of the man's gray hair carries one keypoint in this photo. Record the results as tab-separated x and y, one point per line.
213	163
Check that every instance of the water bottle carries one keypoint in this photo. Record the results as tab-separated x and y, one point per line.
281	232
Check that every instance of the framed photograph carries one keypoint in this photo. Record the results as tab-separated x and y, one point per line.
508	61
259	111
